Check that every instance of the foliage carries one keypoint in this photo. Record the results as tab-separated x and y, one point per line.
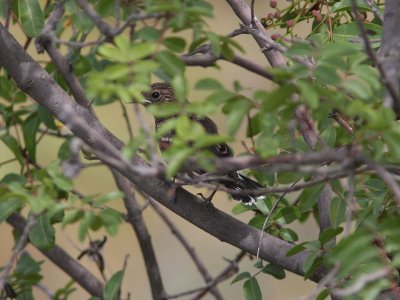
328	73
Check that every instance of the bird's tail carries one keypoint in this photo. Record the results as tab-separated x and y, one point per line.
240	182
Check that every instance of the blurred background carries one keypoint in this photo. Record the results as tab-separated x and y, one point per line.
178	271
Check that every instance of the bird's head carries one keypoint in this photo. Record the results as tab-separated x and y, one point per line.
160	92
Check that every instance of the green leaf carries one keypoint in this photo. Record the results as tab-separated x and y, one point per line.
149	33
177	161
176	44
357	88
323	295
72	216
251	289
31	17
326	75
329	136
349	33
64	152
275	271
209	84
353	251
28	269
13	145
43	233
337	211
309	261
310	196
3	9
170	63
309	94
113	286
236	115
87	220
329	233
209	140
347	5
287	215
7	207
241	276
257	221
272	100
29	129
288	234
254	127
296	249
288	177
46	118
241	208
63	183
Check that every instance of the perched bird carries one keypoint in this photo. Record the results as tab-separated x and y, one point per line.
162	93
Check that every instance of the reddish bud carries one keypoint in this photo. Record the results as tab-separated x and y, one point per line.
274	37
315	12
273	3
290	23
318	18
277	15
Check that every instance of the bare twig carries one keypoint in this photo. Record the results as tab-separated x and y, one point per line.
361	283
126	118
17	249
374	9
225	274
208	59
139	226
386	177
350	203
104	28
189	249
45	290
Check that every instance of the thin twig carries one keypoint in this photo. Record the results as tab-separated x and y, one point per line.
386	177
126	118
361	282
135	218
225	274
17	249
374	9
189	249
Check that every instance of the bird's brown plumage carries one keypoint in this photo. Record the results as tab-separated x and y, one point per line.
163	93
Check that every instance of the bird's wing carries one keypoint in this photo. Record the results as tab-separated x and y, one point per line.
220	150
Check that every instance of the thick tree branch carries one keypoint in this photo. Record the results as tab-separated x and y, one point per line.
65	262
38	84
389	54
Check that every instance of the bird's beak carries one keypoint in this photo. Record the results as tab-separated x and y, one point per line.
145	102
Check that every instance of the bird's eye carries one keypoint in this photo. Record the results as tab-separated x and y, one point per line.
155	95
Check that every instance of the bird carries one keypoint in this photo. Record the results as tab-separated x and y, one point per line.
163	93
